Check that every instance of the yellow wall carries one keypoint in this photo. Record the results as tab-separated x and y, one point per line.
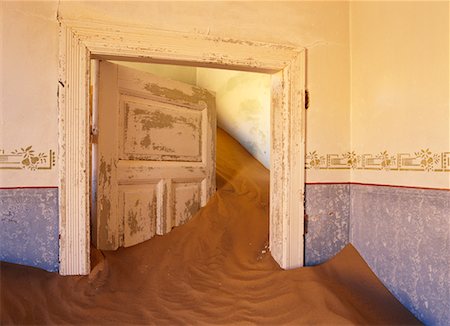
243	107
400	92
399	85
29	76
30	63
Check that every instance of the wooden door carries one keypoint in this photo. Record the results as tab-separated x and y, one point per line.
155	156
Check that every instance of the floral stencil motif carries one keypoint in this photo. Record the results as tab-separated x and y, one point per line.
386	160
423	160
30	160
314	160
428	160
352	159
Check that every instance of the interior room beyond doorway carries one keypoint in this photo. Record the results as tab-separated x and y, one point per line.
242	101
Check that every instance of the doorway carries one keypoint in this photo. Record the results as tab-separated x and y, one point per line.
133	209
81	41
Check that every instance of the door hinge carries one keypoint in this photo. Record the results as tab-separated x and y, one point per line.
94	135
306	99
306	222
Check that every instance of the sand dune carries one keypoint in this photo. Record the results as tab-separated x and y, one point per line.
213	270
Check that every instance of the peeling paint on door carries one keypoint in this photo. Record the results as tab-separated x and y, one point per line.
145	142
197	96
191	207
160	170
187	201
153	129
104	233
133	224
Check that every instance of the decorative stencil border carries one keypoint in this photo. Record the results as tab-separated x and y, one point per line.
27	158
423	160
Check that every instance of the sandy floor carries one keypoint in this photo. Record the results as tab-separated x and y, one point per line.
213	270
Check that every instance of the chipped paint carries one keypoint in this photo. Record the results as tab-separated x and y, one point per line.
152	214
137	204
165	149
198	94
191	207
133	223
104	205
151	134
104	173
126	117
145	142
159	120
165	217
187	201
104	235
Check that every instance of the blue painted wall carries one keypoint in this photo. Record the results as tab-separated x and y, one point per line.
404	236
29	227
328	210
402	233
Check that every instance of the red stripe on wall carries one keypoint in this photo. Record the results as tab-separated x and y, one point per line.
307	183
29	187
375	185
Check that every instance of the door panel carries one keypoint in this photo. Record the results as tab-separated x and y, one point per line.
156	155
138	206
152	130
187	200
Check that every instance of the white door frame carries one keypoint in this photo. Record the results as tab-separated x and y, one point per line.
82	41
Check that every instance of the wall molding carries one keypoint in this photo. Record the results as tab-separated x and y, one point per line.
422	161
82	41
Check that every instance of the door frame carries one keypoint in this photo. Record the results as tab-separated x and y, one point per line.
82	41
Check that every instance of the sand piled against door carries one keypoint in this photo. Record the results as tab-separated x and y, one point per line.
216	269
